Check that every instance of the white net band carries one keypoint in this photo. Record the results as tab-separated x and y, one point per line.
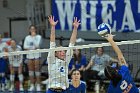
66	48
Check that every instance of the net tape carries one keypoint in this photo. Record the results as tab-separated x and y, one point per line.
67	48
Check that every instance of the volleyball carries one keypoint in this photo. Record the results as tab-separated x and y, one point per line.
104	29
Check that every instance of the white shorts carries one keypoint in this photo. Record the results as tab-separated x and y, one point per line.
15	64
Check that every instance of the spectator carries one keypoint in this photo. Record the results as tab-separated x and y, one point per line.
32	42
97	64
3	48
78	62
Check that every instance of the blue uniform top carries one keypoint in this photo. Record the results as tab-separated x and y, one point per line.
80	89
78	65
126	85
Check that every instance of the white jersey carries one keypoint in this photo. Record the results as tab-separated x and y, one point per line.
30	43
15	60
58	69
100	61
2	46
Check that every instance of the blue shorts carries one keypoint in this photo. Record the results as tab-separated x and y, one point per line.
50	91
2	65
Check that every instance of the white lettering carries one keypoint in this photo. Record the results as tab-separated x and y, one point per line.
84	15
107	16
129	16
66	12
138	6
123	85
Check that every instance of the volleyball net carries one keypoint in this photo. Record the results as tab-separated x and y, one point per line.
130	49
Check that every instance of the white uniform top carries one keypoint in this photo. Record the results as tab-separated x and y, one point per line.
100	61
2	46
15	60
58	69
30	43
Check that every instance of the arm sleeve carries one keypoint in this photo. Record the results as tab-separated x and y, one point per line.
124	71
108	58
26	46
70	64
10	57
69	53
83	88
92	58
51	54
20	57
84	61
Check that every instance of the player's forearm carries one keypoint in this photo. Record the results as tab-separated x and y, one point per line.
117	51
88	66
73	36
81	68
52	36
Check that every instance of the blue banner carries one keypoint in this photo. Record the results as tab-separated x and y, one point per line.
122	15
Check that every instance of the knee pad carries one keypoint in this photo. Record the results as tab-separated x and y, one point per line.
12	77
37	73
20	76
31	73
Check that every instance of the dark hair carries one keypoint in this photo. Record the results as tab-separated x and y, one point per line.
14	40
77	58
30	28
98	48
74	71
112	74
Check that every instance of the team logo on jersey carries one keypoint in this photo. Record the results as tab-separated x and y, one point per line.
125	86
61	69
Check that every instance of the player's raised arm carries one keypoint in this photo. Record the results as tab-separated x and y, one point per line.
52	23
116	49
76	24
69	53
51	55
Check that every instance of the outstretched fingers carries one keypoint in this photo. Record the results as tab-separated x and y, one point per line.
51	20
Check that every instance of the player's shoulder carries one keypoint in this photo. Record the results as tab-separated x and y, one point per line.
9	48
93	56
82	82
124	68
105	55
38	36
19	47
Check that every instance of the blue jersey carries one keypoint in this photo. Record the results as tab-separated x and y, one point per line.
126	85
3	65
80	89
78	65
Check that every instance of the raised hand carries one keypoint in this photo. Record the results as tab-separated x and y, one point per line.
76	22
109	37
51	20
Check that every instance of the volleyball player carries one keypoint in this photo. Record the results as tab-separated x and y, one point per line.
3	48
76	85
58	61
32	42
121	80
15	65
